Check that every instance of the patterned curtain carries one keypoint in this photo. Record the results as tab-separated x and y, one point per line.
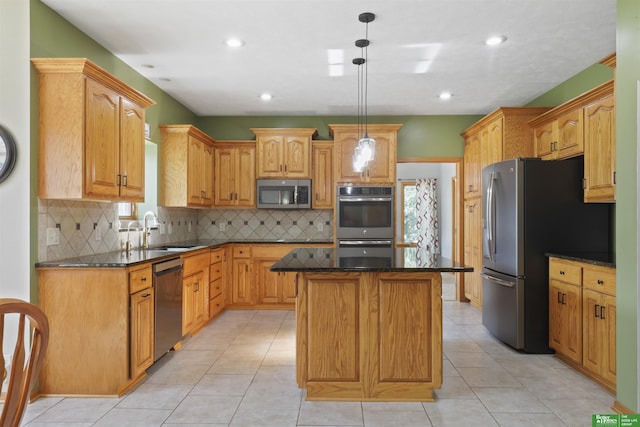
427	220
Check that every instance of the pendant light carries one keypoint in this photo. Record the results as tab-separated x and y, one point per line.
365	151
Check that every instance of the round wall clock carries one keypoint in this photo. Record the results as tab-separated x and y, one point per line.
8	153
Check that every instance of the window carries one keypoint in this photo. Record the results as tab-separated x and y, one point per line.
409	227
127	210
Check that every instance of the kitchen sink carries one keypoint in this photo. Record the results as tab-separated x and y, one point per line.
177	248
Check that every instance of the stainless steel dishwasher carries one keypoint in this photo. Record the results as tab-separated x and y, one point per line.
167	281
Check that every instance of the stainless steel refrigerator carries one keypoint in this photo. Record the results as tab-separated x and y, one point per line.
531	207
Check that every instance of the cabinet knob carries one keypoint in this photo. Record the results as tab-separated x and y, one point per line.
600	282
561	273
146	295
144	279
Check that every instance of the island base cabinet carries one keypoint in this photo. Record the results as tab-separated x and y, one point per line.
369	336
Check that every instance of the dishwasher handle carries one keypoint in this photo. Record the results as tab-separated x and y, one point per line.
167	265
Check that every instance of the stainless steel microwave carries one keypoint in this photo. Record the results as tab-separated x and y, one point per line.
283	193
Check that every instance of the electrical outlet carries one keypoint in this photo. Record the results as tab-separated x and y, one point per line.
98	231
162	228
53	236
319	226
222	226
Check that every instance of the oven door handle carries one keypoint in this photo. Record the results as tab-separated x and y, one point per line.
365	242
365	199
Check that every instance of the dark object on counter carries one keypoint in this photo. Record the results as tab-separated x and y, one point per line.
530	207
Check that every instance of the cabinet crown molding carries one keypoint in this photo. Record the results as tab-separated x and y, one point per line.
370	127
86	67
188	129
503	112
285	131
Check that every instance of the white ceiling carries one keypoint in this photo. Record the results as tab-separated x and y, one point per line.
287	44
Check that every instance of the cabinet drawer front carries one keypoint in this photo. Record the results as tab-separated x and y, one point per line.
271	251
215	271
216	256
565	271
241	252
195	263
216	305
140	279
215	288
600	279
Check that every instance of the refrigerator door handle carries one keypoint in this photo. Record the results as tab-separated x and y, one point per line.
500	282
490	219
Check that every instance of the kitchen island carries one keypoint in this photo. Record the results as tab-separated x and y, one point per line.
368	333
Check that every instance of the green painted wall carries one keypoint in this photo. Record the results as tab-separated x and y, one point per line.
580	83
628	75
420	136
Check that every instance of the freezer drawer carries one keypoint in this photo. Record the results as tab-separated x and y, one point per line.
503	307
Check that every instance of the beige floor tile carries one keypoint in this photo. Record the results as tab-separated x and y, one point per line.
155	396
577	412
504	399
455	388
78	410
528	420
458	412
199	409
222	385
471	360
315	413
488	377
396	418
122	417
266	418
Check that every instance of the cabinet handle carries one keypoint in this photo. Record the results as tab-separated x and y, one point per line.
119	179
595	311
316	197
368	174
230	196
561	272
144	279
285	167
125	180
470	209
196	286
602	312
564	298
236	196
296	285
246	268
614	177
559	297
584	183
280	168
600	282
146	295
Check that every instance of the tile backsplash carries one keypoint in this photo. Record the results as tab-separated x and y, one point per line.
87	228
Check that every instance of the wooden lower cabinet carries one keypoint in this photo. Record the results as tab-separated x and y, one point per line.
142	330
195	292
387	328
101	333
582	318
216	281
473	251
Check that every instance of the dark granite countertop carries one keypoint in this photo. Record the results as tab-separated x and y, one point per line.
137	256
326	260
604	259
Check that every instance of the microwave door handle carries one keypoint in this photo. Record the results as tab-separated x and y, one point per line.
365	199
295	194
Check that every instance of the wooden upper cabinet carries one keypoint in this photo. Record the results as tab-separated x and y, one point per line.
322	175
234	169
584	125
283	152
186	167
382	170
600	150
501	135
90	133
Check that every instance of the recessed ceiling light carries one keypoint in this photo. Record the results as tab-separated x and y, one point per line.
495	40
266	97
445	95
234	42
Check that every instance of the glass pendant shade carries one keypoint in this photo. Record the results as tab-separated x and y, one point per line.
358	162
367	147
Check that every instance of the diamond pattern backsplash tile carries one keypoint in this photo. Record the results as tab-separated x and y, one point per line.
87	228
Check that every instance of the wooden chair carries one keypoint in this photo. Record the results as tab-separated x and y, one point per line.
23	373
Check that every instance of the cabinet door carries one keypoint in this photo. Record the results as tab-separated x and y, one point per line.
224	170
270	155
593	330
600	150
544	140
288	283
473	251
188	303
194	172
492	143
609	362
267	282
472	166
245	181
346	147
297	152
570	134
322	179
207	175
142	331
131	151
565	319
102	142
200	300
241	285
382	170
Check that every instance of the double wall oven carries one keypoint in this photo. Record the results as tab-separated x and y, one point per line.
364	226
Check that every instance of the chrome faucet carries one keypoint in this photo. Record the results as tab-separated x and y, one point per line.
146	232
